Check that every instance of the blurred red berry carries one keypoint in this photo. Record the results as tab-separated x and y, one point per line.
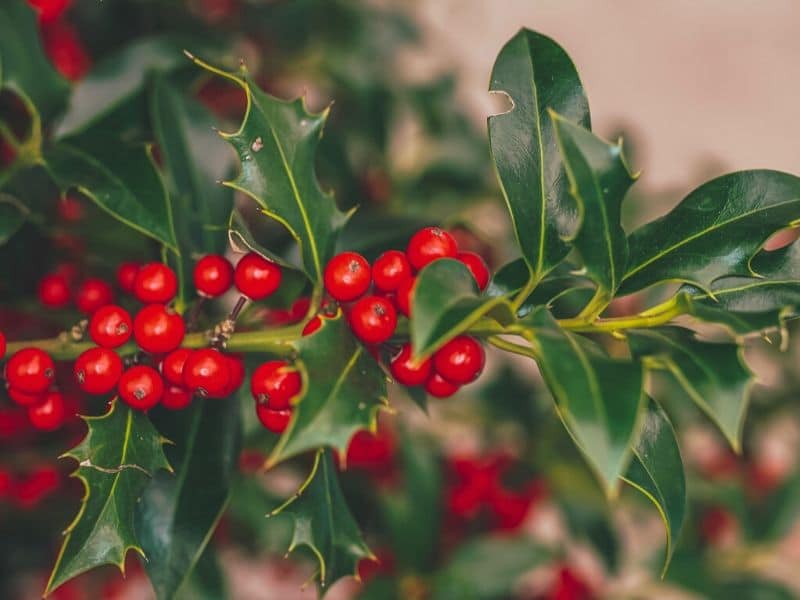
172	365
176	397
477	266
313	325
30	371
568	586
213	275
429	244
347	276
404	295
155	283
461	360
49	414
66	50
22	399
439	387
407	372
70	209
275	421
126	276
53	291
49	10
93	294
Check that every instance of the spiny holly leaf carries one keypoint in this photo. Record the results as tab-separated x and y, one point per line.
12	216
597	398
656	470
599	179
446	302
116	460
713	374
714	231
323	523
178	513
24	68
277	144
343	391
537	75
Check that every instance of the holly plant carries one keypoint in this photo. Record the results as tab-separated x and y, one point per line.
230	286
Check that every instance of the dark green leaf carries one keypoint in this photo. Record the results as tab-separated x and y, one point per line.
656	470
116	460
344	390
324	524
599	179
754	589
537	75
713	374
714	231
178	514
12	216
446	303
597	398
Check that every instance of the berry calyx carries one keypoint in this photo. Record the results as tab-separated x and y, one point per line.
126	276
213	275
407	372
439	387
158	329
93	294
275	421
390	270
97	370
176	397
461	360
30	371
110	326
207	373
23	399
53	291
256	277
172	365
428	244
274	384
347	276
49	414
155	283
477	266
141	387
373	319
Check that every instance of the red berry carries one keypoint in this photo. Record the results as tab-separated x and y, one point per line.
237	373
429	244
256	277
97	370
155	283
30	371
172	365
49	414
390	270
439	387
213	275
49	10
110	326
70	209
407	372
404	295
126	276
347	276
314	324
274	420
53	291
65	49
2	344
141	387
207	373
157	329
460	360
176	397
477	266
373	319
23	399
93	294
274	384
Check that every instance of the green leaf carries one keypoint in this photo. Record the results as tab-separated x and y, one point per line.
116	460
715	231
597	398
599	179
344	390
754	589
24	68
537	75
714	375
324	524
656	470
488	568
13	215
120	178
446	302
178	513
276	145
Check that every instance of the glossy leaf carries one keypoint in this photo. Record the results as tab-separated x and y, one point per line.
13	215
597	398
323	523
120	454
277	146
537	75
343	392
656	470
713	374
599	179
446	303
178	513
715	231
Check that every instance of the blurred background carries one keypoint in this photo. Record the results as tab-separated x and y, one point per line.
484	497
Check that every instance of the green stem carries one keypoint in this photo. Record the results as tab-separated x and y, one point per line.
658	315
502	344
525	292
